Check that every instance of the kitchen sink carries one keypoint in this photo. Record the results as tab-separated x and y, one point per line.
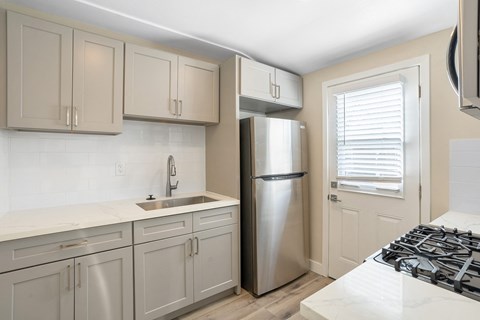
175	202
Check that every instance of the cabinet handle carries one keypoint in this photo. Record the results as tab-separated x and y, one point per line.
198	245
68	116
65	246
176	107
180	102
278	96
190	254
79	275
75	109
68	277
272	87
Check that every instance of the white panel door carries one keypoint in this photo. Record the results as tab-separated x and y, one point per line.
257	80
216	261
43	292
150	82
97	83
104	286
289	88
39	73
363	222
163	277
198	90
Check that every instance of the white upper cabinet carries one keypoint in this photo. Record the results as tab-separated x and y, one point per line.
198	90
164	86
150	82
260	81
257	80
39	77
97	83
62	79
289	88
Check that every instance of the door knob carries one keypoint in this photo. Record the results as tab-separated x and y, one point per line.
333	198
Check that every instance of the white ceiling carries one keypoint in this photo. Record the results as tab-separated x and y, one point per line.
296	35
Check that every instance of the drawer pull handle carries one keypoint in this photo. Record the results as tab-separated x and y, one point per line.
66	246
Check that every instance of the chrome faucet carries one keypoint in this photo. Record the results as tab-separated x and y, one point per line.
172	171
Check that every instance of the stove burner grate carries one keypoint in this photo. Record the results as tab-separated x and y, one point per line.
446	257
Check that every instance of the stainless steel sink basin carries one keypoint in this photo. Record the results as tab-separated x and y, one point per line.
175	202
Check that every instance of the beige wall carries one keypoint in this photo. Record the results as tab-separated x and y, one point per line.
446	122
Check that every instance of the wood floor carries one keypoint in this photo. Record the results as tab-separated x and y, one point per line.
283	303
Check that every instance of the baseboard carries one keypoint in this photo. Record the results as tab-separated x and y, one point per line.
317	267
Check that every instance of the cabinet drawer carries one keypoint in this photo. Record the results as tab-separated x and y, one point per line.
203	220
27	252
161	228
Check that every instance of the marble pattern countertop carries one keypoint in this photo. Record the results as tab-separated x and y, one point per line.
375	291
29	223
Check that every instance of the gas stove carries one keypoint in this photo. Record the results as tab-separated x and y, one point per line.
445	257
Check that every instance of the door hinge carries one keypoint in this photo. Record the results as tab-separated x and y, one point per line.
419	91
420	192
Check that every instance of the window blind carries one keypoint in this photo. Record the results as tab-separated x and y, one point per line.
370	133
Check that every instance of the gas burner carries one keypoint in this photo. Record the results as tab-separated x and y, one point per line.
446	257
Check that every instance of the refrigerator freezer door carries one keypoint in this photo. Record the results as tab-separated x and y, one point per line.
277	146
280	255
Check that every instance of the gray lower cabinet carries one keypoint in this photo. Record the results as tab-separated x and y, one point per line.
93	287
216	261
184	268
163	277
43	292
82	286
104	286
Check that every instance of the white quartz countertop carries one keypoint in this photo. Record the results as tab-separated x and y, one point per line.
29	223
461	221
376	291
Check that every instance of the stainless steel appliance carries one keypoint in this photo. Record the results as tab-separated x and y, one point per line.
273	202
466	82
445	257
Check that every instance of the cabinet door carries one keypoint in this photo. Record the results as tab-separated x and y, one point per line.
256	80
163	277
104	286
39	73
150	83
290	88
43	292
216	261
97	83
198	91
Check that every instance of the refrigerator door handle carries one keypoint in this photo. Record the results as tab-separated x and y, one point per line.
282	176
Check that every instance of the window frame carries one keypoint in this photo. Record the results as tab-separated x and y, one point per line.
382	187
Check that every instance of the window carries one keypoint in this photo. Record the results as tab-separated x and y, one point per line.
370	137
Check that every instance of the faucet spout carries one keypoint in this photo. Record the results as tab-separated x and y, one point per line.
172	171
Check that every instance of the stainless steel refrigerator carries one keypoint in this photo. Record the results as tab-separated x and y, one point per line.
273	202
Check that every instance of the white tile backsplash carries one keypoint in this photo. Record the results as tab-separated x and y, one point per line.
465	175
51	169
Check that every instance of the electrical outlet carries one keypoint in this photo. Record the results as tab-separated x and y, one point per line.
120	168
